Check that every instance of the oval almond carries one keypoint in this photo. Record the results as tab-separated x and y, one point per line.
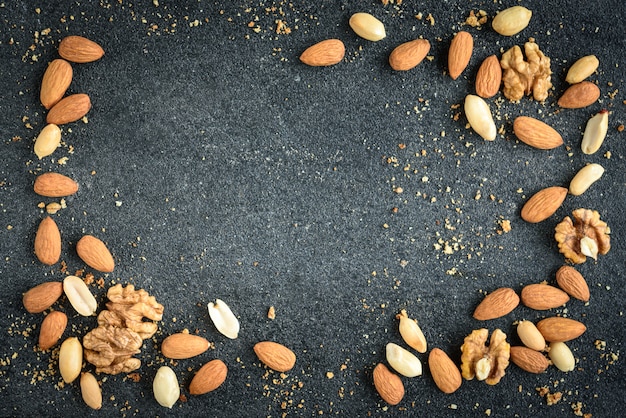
459	54
543	204
275	356
388	385
536	133
95	254
541	296
496	304
559	329
52	329
571	281
530	360
324	53
579	95
408	55
182	346
80	49
55	82
489	77
69	109
42	296
445	373
209	377
54	185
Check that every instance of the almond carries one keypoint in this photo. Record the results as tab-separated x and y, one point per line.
536	133
571	281
460	53
209	377
182	346
79	49
48	242
43	296
445	373
542	296
388	385
55	82
558	329
543	204
496	304
55	185
530	336
95	254
489	77
69	109
324	53
530	360
579	95
275	356
582	69
52	329
409	54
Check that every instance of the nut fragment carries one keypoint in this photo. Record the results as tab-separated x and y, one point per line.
498	303
47	141
411	332
388	385
585	236
523	77
530	360
223	318
582	69
90	390
209	377
444	372
543	204
562	357
570	280
42	296
275	356
530	336
165	387
52	329
541	296
403	361
595	132
479	117
485	363
70	359
79	296
367	26
511	21
460	53
585	177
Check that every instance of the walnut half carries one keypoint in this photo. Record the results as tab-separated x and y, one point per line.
585	236
523	77
485	362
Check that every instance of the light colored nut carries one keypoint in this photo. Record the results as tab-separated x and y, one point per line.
165	387
90	390
403	361
562	357
411	332
479	117
367	27
585	177
70	359
511	21
530	336
223	318
48	140
595	132
79	296
582	69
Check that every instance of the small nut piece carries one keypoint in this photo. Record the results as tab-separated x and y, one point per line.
530	360
95	254
585	177
585	236
459	54
52	329
489	77
536	133
498	303
582	69
511	21
479	117
70	359
47	141
209	377
275	356
388	385
579	95
558	329
595	132
409	54
485	363
165	387
542	297
48	242
403	361
324	53
543	204
183	345
570	280
530	336
79	296
444	372
367	27
523	77
562	357
223	318
411	332
90	390
42	296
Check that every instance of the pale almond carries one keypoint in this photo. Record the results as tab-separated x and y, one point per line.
95	254
275	356
54	185
42	296
530	336
571	281
69	109
541	296
558	329
511	21
409	54
579	95
183	346
324	53
489	77
47	141
582	69
530	360
543	204
55	82
209	377
460	53
496	304
445	373
48	242
536	133
52	329
80	49
388	385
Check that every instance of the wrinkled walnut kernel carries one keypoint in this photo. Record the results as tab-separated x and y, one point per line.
523	77
585	236
485	362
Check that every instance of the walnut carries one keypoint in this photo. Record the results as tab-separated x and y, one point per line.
523	77
585	236
110	348
128	307
486	363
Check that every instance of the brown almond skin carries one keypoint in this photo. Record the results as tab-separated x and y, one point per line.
496	304
80	49
52	329
542	296
408	55
54	185
558	329
529	360
183	346
460	53
43	296
536	133
95	254
275	356
543	204
69	109
55	82
489	77
445	373
388	384
48	242
209	377
579	95
324	53
572	282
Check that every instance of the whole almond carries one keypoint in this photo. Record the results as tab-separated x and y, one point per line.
324	53
69	109
585	177
209	377
48	242
80	49
47	141
530	336
571	281
54	185
541	296
496	304
460	53
55	82
182	346
445	373
275	356
388	385
95	254
90	390
579	95
489	77
558	329
536	133
42	296
409	54
530	360
511	21
582	69
543	204
52	329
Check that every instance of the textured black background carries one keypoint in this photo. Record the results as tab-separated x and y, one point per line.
247	176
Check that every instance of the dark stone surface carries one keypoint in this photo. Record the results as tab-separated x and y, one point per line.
245	175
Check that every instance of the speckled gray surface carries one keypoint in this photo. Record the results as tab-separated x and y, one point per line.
245	175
